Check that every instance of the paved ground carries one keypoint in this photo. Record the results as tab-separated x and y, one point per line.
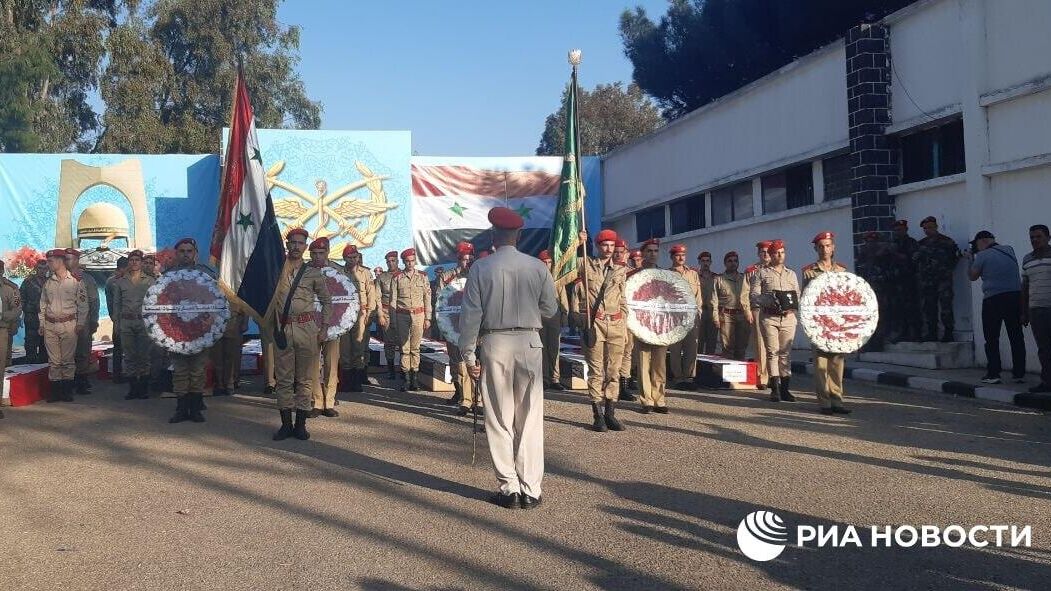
104	494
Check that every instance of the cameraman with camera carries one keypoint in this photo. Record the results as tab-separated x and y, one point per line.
997	267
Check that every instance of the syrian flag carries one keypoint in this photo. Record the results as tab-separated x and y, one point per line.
246	243
451	199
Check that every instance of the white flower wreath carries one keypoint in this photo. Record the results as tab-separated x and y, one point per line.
661	306
339	281
839	312
156	315
447	313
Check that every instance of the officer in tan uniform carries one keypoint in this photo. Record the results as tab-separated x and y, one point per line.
464	395
384	282
63	315
126	311
551	333
326	378
10	316
775	289
604	328
188	371
828	367
410	301
620	257
751	313
505	298
653	372
708	331
355	343
226	352
684	353
85	365
729	316
296	365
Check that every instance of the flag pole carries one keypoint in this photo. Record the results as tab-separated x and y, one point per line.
574	60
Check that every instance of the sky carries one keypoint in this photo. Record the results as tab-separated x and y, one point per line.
466	77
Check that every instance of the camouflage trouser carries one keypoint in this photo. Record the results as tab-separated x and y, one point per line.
904	308
936	300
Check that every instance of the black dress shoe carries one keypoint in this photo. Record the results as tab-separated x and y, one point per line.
556	387
314	413
646	409
511	501
330	412
529	502
827	411
462	411
839	410
662	410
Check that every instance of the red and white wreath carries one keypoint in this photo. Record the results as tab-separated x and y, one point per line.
346	303
447	309
839	312
185	312
661	306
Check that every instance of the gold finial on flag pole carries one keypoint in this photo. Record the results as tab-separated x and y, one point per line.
575	57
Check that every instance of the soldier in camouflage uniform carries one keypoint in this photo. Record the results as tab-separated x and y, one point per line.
904	320
876	266
936	258
30	292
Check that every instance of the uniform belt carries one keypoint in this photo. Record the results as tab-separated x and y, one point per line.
731	310
777	313
57	319
410	310
301	318
486	331
609	317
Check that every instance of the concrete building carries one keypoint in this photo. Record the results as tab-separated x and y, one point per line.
942	108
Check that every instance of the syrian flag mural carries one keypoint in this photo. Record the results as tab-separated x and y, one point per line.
451	198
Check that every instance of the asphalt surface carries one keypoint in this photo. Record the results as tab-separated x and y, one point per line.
104	494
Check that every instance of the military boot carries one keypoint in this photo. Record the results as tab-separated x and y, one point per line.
785	393
83	386
599	423
947	336
611	420
390	370
286	426
144	387
405	385
195	404
54	392
625	390
415	380
357	380
775	388
300	429
182	412
133	388
457	396
67	391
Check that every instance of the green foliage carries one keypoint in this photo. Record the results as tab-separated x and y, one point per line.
164	70
609	116
700	50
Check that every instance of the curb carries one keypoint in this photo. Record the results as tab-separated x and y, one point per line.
901	380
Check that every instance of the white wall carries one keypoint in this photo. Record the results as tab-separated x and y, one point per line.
925	54
798	110
1021	127
1018	40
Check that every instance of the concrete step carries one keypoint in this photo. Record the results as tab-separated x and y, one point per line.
926	355
924	360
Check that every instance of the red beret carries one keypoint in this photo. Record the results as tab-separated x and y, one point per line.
544	256
871	236
135	253
300	231
928	220
902	223
763	244
390	254
636	254
72	252
349	250
56	252
732	253
823	236
378	270
606	235
505	219
484	254
620	243
464	248
319	244
653	241
703	254
775	245
678	248
408	252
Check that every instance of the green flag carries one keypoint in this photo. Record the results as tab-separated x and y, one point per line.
569	217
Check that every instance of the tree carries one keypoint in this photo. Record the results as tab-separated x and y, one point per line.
609	116
169	85
703	49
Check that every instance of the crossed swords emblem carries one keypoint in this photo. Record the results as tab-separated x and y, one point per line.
324	206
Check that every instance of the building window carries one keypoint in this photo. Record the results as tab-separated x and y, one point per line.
837	174
649	223
732	203
933	152
687	214
788	189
